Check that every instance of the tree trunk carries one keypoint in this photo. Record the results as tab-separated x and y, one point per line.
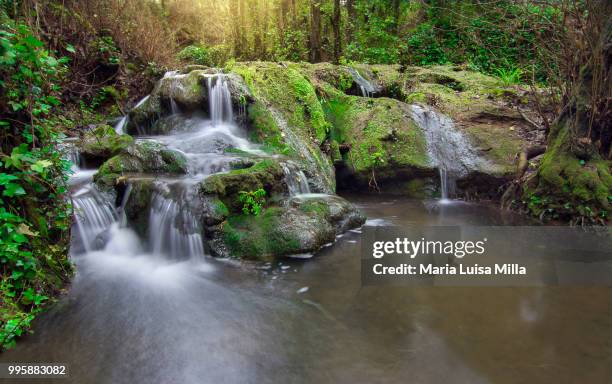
315	31
336	27
235	10
396	17
350	29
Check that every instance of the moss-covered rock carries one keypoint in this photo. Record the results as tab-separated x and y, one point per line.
480	105
302	225
187	91
142	117
266	174
380	135
141	157
287	117
566	187
102	143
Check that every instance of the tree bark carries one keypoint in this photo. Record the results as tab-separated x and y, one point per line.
350	10
396	17
235	10
315	31
336	27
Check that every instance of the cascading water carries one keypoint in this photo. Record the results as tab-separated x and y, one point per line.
220	100
175	86
173	230
448	148
367	89
297	183
93	215
120	126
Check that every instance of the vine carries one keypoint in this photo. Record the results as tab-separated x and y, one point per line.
34	212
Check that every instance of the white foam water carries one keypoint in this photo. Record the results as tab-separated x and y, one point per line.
449	150
297	182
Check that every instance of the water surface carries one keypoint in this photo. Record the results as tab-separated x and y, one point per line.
132	317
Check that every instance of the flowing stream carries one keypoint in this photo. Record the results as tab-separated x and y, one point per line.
133	318
161	311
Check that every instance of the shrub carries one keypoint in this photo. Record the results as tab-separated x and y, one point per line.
195	54
34	213
252	201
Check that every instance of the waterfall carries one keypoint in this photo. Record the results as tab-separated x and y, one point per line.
93	215
443	183
220	100
120	126
126	198
174	85
72	154
449	150
174	230
142	101
296	180
367	89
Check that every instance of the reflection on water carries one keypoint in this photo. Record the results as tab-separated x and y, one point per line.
132	319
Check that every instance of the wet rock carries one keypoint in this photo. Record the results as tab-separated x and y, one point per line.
266	174
142	117
302	225
187	91
102	143
141	157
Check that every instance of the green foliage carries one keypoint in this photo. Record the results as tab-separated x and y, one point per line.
210	56
252	201
376	40
34	214
423	48
195	54
489	38
509	76
107	51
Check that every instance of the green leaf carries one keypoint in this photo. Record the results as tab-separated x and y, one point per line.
33	42
40	165
70	48
5	178
12	189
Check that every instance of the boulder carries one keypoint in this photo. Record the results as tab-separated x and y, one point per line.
302	225
186	90
141	157
102	143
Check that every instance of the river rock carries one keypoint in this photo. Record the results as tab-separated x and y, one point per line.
186	90
141	157
303	224
102	143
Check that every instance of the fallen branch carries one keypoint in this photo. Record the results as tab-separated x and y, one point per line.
527	119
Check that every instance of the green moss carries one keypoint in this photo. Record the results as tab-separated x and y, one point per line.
266	174
290	119
416	188
416	97
380	130
319	208
258	237
289	92
142	157
175	162
567	186
334	151
220	208
103	142
265	130
109	172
